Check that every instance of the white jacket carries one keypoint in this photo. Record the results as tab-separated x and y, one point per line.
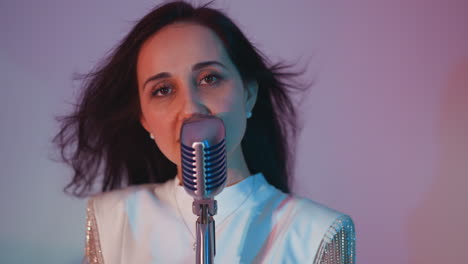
256	223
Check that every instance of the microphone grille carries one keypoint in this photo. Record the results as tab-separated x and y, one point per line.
203	157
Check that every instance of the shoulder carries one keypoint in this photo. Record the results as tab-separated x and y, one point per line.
311	210
110	209
108	217
318	217
321	216
110	201
117	198
107	209
301	215
317	225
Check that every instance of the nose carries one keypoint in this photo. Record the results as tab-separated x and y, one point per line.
193	104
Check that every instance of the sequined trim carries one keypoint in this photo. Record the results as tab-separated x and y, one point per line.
93	248
338	245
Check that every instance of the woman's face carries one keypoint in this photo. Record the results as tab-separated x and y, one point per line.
184	70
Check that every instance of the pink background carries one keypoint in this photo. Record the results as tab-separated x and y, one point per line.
385	124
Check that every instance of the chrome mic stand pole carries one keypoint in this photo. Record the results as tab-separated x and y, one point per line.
206	244
204	174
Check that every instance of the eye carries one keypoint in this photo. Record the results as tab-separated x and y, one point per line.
162	91
209	79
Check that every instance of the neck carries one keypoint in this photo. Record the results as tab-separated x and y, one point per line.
237	169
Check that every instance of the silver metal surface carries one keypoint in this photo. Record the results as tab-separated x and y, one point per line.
204	174
206	245
203	155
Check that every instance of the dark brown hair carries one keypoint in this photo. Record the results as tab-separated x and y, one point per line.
103	135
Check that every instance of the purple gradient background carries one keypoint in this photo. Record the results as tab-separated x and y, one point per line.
385	125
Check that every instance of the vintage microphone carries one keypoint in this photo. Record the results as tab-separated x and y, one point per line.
203	156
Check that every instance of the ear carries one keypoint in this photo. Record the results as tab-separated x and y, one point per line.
144	123
250	97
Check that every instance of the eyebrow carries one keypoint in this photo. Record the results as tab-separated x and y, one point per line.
201	65
195	67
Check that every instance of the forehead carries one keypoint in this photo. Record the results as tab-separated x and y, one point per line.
179	46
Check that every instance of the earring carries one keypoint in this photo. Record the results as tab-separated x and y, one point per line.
151	136
249	115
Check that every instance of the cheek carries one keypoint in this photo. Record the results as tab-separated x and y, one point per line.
235	129
234	120
163	128
159	117
165	140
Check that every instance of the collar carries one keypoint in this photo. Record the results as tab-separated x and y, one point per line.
232	199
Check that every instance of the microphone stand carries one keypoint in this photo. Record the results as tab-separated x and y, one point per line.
204	174
206	244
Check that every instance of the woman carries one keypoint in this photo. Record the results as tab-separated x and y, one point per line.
179	62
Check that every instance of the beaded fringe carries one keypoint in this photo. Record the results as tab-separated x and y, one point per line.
93	248
339	243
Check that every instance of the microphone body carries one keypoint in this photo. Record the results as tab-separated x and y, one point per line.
204	175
